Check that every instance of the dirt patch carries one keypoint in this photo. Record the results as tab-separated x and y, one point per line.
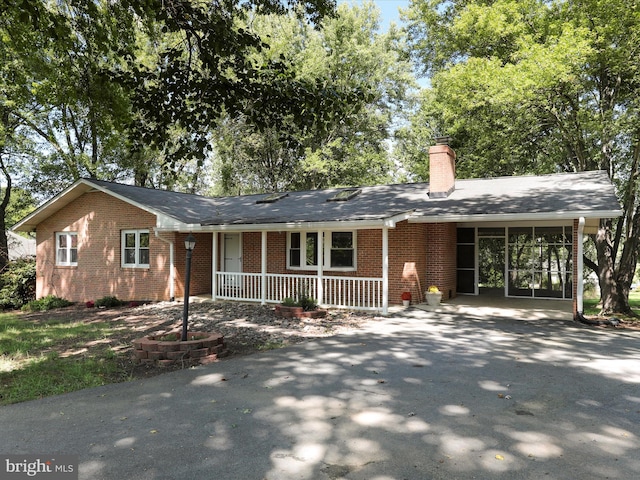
247	329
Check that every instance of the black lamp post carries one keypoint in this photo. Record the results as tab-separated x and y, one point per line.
189	245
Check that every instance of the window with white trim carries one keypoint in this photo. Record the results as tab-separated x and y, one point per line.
135	248
338	250
67	249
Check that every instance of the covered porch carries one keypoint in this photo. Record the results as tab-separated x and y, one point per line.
257	266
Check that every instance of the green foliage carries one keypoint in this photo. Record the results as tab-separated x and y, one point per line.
18	283
46	303
21	204
109	302
289	302
523	87
357	80
307	303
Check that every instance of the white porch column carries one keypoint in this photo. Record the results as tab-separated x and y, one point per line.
580	263
320	255
214	264
263	268
385	270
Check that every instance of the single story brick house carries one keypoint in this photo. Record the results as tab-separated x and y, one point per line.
352	247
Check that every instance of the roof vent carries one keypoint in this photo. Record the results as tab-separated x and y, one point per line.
273	198
344	195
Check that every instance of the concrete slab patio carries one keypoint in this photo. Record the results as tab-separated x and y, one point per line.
447	394
483	306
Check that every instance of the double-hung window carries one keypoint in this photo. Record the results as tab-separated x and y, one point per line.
338	250
135	248
303	249
342	252
67	249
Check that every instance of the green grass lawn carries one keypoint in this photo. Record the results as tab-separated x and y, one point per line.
592	305
41	358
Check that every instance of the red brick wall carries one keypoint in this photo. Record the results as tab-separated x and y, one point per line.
441	258
407	261
98	219
201	265
419	255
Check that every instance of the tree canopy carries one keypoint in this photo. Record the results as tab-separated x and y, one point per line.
361	78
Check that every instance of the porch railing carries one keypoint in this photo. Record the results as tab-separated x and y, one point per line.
349	292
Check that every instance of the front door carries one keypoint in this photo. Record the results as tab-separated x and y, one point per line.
232	258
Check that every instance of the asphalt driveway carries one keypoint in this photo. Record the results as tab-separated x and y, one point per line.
419	395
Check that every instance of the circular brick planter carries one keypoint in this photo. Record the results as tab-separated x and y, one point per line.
200	347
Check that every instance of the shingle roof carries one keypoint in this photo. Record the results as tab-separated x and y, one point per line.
588	194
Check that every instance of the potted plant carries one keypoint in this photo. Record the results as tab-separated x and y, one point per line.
406	298
433	295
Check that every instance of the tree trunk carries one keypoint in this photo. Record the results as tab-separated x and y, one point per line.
612	290
4	245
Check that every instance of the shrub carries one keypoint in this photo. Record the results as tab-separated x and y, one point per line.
46	303
18	283
308	304
109	302
289	302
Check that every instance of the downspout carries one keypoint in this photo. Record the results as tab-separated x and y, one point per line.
172	288
580	263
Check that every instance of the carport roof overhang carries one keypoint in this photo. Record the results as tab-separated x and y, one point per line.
592	218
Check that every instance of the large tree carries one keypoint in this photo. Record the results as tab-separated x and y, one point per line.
208	70
131	89
538	86
363	78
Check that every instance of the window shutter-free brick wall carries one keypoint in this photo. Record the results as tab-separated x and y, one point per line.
98	219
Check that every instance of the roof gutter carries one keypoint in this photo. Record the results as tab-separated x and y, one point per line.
511	217
389	222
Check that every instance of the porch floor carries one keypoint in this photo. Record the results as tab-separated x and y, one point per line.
491	306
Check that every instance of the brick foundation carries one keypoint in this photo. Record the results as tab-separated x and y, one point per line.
200	347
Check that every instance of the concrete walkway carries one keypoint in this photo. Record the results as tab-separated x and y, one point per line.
418	395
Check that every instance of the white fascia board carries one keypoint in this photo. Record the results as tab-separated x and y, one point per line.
168	224
514	217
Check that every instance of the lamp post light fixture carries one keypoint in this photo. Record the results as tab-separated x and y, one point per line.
189	245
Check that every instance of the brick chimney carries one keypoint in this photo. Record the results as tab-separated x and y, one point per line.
442	169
